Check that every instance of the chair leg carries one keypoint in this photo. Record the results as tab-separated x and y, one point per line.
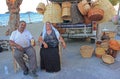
60	53
16	65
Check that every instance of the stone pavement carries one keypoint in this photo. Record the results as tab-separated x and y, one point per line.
73	65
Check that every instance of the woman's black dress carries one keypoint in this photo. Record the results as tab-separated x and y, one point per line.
50	59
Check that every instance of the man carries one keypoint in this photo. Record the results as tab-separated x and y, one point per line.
20	39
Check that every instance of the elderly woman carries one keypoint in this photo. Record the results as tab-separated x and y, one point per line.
49	52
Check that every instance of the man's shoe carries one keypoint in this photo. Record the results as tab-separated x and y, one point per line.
33	74
25	72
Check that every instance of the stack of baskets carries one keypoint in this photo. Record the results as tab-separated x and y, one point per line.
52	13
86	51
107	7
66	15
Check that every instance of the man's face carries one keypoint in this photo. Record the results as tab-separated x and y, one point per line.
22	26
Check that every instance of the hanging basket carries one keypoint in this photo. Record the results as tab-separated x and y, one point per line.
53	13
66	15
83	7
95	14
108	8
41	8
66	4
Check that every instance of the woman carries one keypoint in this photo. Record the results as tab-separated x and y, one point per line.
49	52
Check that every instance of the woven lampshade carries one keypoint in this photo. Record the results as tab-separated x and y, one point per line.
66	4
66	15
53	13
41	8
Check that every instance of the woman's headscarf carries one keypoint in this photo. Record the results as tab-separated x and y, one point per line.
55	30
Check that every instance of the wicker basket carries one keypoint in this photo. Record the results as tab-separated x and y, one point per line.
41	8
87	21
86	51
66	15
99	52
108	59
66	4
83	7
109	10
53	13
95	14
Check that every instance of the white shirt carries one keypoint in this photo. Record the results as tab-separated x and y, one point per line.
23	39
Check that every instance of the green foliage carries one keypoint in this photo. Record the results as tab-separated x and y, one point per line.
114	2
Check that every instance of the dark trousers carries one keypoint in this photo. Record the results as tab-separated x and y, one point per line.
30	52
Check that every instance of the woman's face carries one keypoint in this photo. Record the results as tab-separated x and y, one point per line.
48	26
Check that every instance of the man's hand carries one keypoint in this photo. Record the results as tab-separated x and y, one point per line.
19	47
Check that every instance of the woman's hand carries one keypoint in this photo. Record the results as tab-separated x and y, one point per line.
64	45
45	45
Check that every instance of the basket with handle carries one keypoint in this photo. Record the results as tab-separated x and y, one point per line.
86	51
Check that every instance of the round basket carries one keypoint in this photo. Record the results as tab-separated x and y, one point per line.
95	14
83	7
41	8
99	52
87	21
108	59
66	4
86	51
114	45
66	14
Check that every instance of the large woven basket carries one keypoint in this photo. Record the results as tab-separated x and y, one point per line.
41	8
109	10
108	59
86	51
53	13
95	14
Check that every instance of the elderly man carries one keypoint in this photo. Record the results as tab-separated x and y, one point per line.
21	40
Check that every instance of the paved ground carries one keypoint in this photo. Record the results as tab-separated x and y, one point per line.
73	66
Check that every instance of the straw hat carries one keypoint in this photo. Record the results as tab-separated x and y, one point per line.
108	59
41	8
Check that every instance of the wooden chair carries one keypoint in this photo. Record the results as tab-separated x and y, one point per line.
16	65
60	52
